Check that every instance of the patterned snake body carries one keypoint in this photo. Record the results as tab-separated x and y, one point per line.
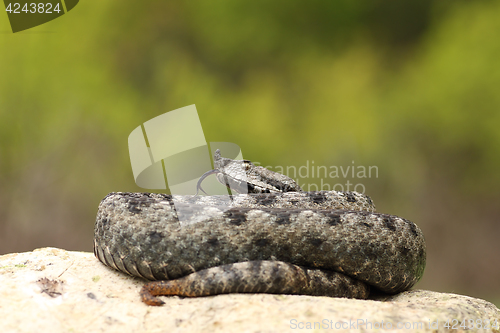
317	243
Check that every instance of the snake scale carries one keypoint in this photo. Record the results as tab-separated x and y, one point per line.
274	239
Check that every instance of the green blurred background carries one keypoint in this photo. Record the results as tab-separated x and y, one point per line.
411	87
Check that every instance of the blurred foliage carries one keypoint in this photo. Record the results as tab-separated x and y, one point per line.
411	87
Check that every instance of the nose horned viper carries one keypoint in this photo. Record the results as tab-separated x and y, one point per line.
274	238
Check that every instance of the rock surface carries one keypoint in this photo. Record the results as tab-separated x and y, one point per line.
53	290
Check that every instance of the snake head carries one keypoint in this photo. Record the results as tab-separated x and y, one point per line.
243	176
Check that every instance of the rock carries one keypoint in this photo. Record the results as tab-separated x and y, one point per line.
53	290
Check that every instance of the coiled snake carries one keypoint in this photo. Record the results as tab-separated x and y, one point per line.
275	239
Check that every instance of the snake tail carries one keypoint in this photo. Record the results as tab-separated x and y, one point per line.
258	276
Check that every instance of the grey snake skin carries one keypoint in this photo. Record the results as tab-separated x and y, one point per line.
314	243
